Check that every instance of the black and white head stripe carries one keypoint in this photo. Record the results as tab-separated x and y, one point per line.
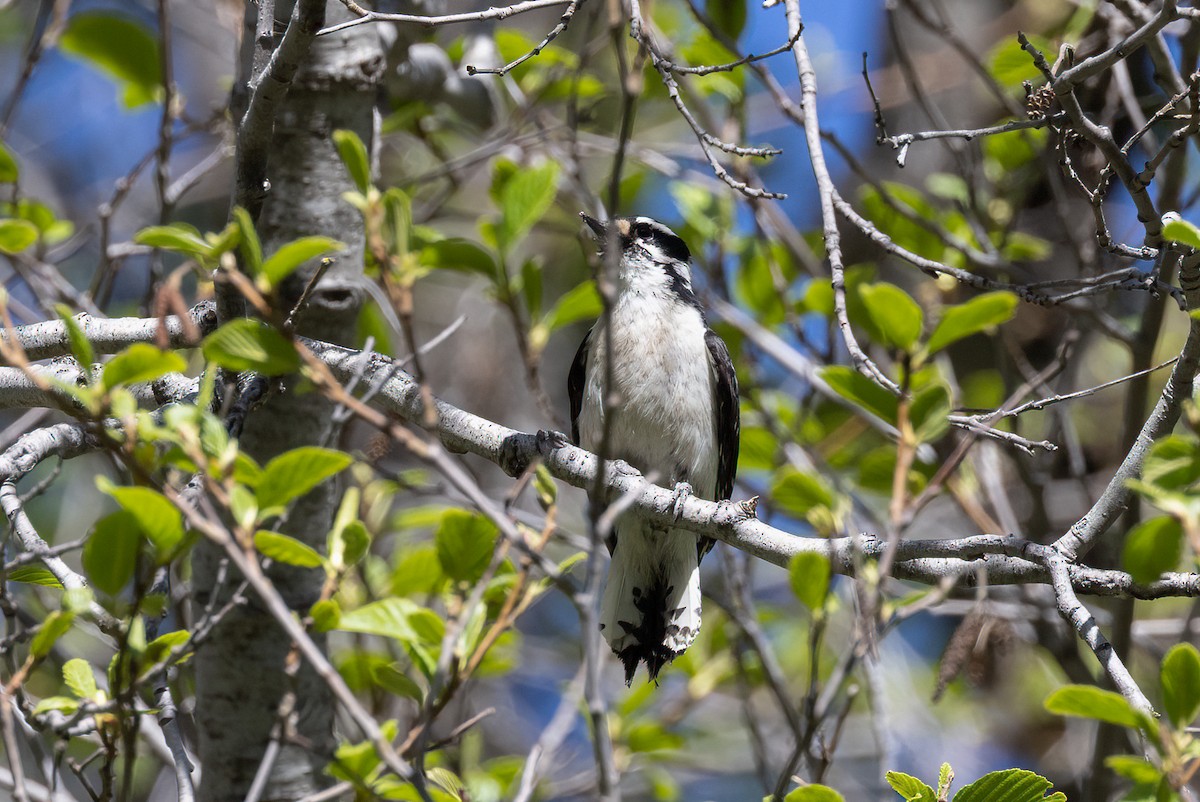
655	237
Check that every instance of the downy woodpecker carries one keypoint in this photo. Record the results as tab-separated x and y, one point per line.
676	420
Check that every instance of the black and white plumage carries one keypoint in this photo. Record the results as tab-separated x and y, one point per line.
677	420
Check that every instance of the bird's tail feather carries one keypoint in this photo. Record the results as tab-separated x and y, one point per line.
650	612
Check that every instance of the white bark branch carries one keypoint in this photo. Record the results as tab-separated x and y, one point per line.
1007	560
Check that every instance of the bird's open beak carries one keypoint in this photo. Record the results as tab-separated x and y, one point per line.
595	225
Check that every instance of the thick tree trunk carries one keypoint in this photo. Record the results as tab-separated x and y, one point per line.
241	676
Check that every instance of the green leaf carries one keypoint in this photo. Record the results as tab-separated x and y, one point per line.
248	242
1152	548
796	493
8	166
77	674
1134	768
581	303
140	362
247	344
465	543
729	17
177	237
81	346
394	681
651	736
161	647
928	412
524	198
1086	701
814	793
1173	462
1183	232
896	315
416	571
284	549
388	618
357	542
354	155
1180	676
53	627
857	388
110	554
809	574
123	49
34	575
63	704
326	614
909	787
294	473
459	254
972	317
157	518
16	235
1010	785
288	258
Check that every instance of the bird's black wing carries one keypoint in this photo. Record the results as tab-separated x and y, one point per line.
728	419
576	380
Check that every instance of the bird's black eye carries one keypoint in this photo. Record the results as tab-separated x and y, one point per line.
642	231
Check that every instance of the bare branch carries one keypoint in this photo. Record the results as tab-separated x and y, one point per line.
495	13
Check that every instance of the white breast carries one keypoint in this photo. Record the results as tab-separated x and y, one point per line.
665	423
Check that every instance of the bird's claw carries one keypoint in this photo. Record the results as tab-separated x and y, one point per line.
679	497
620	467
548	440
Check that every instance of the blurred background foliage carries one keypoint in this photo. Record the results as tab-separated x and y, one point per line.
473	204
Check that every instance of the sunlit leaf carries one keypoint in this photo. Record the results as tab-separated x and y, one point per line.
387	618
972	317
814	793
81	346
110	553
895	314
78	676
524	197
326	614
1086	701
285	549
1138	769
62	704
161	647
1180	676
294	473
16	235
53	627
157	518
465	542
354	155
140	362
459	254
853	386
1010	785
291	256
909	787
248	242
809	574
396	682
177	237
34	575
1183	232
247	344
